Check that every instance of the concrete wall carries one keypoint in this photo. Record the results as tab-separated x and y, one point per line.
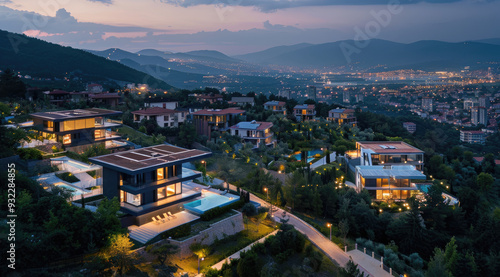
218	230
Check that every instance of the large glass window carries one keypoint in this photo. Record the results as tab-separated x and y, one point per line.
160	174
171	190
67	139
162	193
69	125
134	199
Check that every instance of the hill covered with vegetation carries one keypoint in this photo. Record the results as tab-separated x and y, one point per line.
35	57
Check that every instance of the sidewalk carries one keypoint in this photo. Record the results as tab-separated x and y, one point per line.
236	255
368	263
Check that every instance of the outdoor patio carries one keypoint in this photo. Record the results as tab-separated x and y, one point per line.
150	230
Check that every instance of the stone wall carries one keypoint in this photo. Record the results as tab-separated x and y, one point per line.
226	227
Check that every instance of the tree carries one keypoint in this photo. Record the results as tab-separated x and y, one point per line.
119	253
163	251
351	270
200	250
451	255
485	181
344	229
11	85
249	264
187	135
437	265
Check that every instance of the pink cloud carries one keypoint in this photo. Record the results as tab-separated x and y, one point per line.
124	35
40	34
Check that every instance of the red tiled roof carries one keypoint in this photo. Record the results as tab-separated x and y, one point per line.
105	95
154	111
478	159
57	91
473	132
219	112
204	96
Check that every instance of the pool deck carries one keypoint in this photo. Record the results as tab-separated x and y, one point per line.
150	230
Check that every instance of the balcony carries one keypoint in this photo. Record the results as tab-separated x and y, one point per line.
109	123
185	195
108	136
140	188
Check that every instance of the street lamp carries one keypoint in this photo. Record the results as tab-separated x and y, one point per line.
330	226
267	199
205	163
199	263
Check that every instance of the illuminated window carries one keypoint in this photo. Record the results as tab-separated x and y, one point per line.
89	123
69	125
171	190
134	199
304	112
122	196
67	139
160	174
162	193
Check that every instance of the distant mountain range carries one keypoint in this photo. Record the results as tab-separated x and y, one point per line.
199	62
381	55
38	58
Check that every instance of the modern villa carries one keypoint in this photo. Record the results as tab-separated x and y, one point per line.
254	132
276	106
206	121
342	116
304	112
149	181
389	153
77	128
387	182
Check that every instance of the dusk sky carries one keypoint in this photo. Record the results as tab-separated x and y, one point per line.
244	26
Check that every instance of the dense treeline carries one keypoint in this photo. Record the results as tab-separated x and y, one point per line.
50	229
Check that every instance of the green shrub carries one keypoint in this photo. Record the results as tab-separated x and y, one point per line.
29	154
249	209
218	211
68	177
177	232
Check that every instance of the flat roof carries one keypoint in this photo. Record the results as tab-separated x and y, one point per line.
75	114
219	112
153	156
389	147
253	125
397	172
154	111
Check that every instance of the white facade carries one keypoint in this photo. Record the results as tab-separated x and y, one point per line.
165	105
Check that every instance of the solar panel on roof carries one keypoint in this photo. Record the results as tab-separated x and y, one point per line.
383	146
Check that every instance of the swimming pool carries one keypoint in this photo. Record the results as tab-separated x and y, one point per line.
310	154
423	187
74	191
210	201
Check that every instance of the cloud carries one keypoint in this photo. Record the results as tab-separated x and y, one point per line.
107	2
273	5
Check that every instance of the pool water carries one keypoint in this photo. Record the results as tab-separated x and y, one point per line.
423	187
210	201
309	155
74	191
78	165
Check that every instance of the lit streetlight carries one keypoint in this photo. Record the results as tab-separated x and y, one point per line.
199	264
330	226
267	199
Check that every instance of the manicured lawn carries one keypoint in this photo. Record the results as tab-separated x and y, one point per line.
136	136
227	246
68	177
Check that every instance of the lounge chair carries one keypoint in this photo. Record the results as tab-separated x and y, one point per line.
170	214
166	216
160	219
155	221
